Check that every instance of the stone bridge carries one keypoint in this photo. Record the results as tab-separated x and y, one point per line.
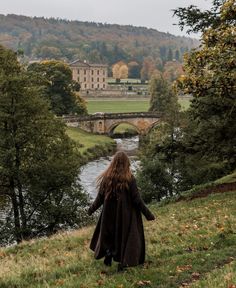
105	123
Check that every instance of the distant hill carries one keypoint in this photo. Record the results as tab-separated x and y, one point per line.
95	42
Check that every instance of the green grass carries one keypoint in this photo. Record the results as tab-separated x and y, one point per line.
117	106
184	103
227	179
91	146
190	244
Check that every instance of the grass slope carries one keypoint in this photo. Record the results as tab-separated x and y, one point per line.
91	146
191	244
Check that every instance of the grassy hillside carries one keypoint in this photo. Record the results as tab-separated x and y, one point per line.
190	244
91	145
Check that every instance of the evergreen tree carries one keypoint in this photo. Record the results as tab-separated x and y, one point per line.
162	96
39	164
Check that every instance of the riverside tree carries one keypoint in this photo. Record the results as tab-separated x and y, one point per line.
210	78
158	175
59	88
39	164
204	147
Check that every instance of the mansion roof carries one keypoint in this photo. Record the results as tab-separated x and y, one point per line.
79	63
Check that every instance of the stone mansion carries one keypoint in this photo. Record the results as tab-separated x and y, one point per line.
90	76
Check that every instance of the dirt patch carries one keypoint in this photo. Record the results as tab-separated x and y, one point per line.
220	188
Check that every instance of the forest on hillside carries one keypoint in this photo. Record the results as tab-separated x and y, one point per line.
41	38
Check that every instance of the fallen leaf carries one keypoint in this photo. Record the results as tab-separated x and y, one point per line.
183	268
100	282
184	284
195	275
144	283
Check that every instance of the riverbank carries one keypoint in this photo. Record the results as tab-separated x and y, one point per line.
91	146
191	244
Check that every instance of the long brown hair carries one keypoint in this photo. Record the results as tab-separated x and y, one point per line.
116	177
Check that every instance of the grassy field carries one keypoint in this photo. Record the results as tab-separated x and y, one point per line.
116	105
190	244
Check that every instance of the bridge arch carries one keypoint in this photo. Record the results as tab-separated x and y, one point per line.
154	125
111	129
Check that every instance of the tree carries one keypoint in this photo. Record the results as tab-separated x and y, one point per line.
59	88
210	78
123	71
148	68
120	70
197	146
172	70
170	55
162	96
200	21
39	164
134	69
159	170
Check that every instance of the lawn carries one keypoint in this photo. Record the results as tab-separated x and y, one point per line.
117	106
190	244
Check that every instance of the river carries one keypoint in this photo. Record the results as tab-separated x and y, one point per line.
91	170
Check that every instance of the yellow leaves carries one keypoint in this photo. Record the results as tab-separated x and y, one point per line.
143	283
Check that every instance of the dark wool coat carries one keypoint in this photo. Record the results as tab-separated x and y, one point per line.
120	227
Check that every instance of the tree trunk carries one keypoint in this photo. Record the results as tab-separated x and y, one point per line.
17	230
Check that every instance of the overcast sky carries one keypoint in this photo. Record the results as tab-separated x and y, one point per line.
155	14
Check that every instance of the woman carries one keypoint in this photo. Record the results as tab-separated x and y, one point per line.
119	232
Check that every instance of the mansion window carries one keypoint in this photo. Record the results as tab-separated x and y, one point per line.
104	86
98	72
78	71
84	71
92	79
97	79
84	79
92	72
103	79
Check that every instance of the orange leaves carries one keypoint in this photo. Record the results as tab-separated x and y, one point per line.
2	254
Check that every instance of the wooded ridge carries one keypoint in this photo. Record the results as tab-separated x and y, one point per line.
40	37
